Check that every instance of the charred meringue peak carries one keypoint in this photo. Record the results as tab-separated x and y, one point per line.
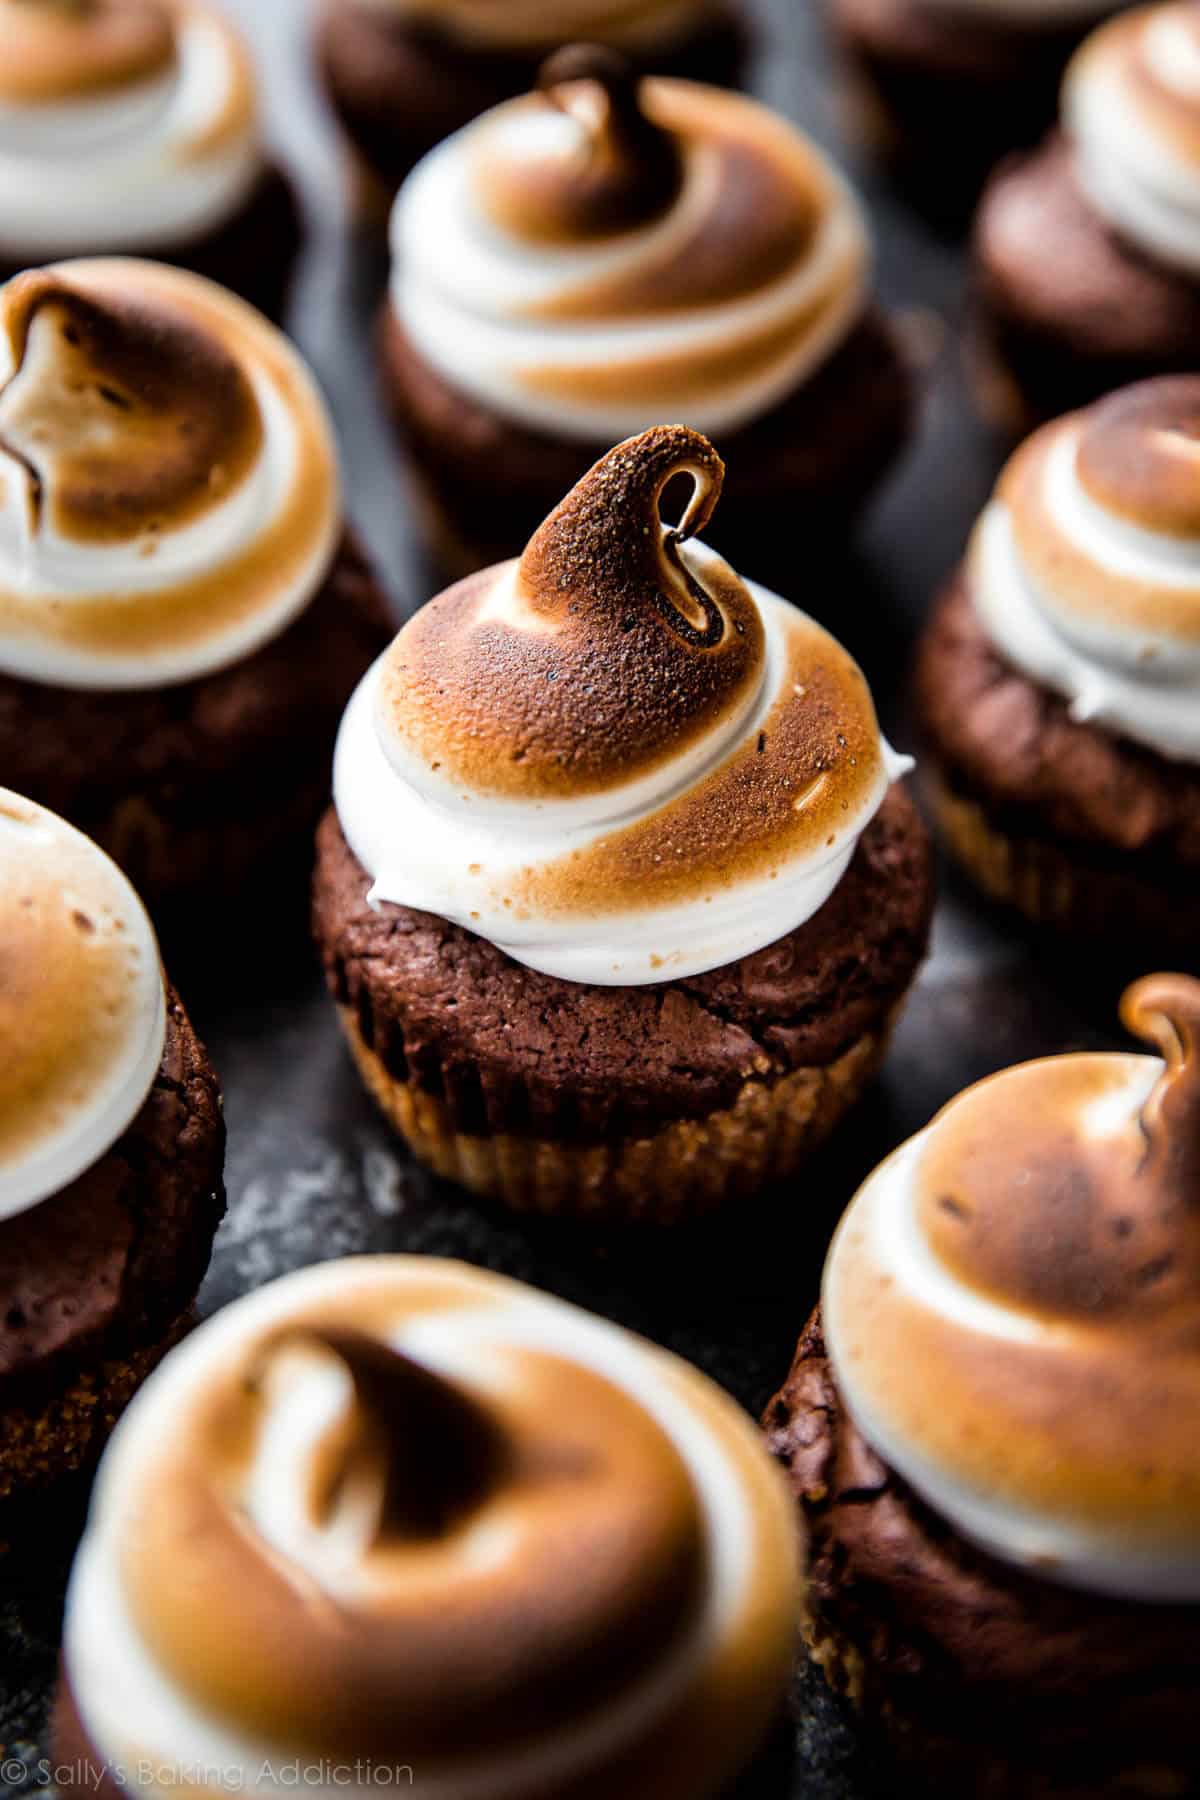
124	125
168	484
1131	107
440	1521
1012	1306
607	250
82	1008
614	758
1085	568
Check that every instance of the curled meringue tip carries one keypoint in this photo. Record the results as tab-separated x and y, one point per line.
126	414
1165	1010
82	1010
433	1451
627	170
65	50
607	541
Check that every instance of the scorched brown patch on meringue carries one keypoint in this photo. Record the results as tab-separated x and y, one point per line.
595	660
129	415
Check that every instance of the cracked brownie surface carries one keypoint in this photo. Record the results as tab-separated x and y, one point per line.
957	1655
101	1271
502	1044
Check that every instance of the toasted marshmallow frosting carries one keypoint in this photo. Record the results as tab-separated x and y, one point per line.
124	125
530	26
440	1522
169	495
590	258
1085	567
82	1009
1131	105
1012	1309
613	758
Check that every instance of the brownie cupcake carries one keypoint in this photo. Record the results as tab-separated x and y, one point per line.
606	253
1058	680
131	127
404	74
1116	193
942	89
111	1150
990	1427
181	618
417	1525
621	893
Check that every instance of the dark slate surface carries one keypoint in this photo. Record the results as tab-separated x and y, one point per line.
312	1175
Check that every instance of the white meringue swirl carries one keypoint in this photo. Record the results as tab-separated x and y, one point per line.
614	759
146	168
199	554
1010	1311
1084	584
1131	107
682	1722
82	1006
712	307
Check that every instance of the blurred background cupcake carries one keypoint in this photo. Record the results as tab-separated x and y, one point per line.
622	892
181	617
607	253
990	1430
111	1152
1058	680
132	127
451	1533
1087	252
942	89
404	74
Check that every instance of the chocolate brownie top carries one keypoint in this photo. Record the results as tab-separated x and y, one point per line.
1096	296
826	441
512	1050
110	1261
1014	746
229	743
972	1648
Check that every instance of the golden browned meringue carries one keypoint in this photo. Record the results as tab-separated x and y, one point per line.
1013	1309
168	484
1131	107
438	1520
1086	567
81	1004
598	657
608	250
60	50
613	757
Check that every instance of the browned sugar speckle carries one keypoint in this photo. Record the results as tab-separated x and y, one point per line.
606	662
